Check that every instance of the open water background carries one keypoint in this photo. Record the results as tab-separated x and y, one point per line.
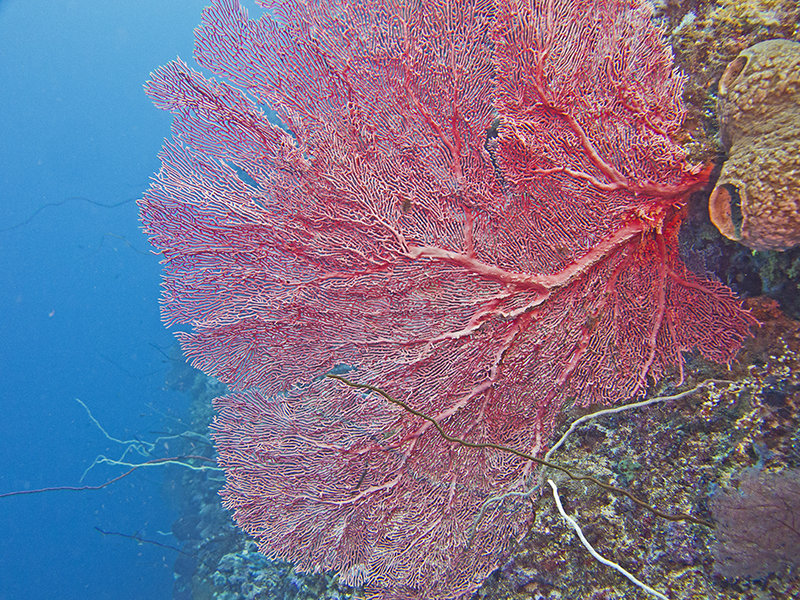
79	293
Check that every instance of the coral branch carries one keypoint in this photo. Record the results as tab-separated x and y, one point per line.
476	204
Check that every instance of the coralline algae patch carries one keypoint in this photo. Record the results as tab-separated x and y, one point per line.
757	198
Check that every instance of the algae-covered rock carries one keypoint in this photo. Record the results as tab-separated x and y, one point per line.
757	198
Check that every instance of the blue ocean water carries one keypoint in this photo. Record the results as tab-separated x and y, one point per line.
79	291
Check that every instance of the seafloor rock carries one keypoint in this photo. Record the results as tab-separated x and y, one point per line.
757	198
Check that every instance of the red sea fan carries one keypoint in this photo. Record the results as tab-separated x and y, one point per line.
475	206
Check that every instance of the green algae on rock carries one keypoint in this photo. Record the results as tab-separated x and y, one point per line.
757	198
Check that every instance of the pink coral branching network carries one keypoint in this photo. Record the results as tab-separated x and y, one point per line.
471	205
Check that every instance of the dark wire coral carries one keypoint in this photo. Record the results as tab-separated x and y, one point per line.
758	525
542	462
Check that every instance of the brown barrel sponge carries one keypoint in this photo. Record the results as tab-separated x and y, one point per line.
757	198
